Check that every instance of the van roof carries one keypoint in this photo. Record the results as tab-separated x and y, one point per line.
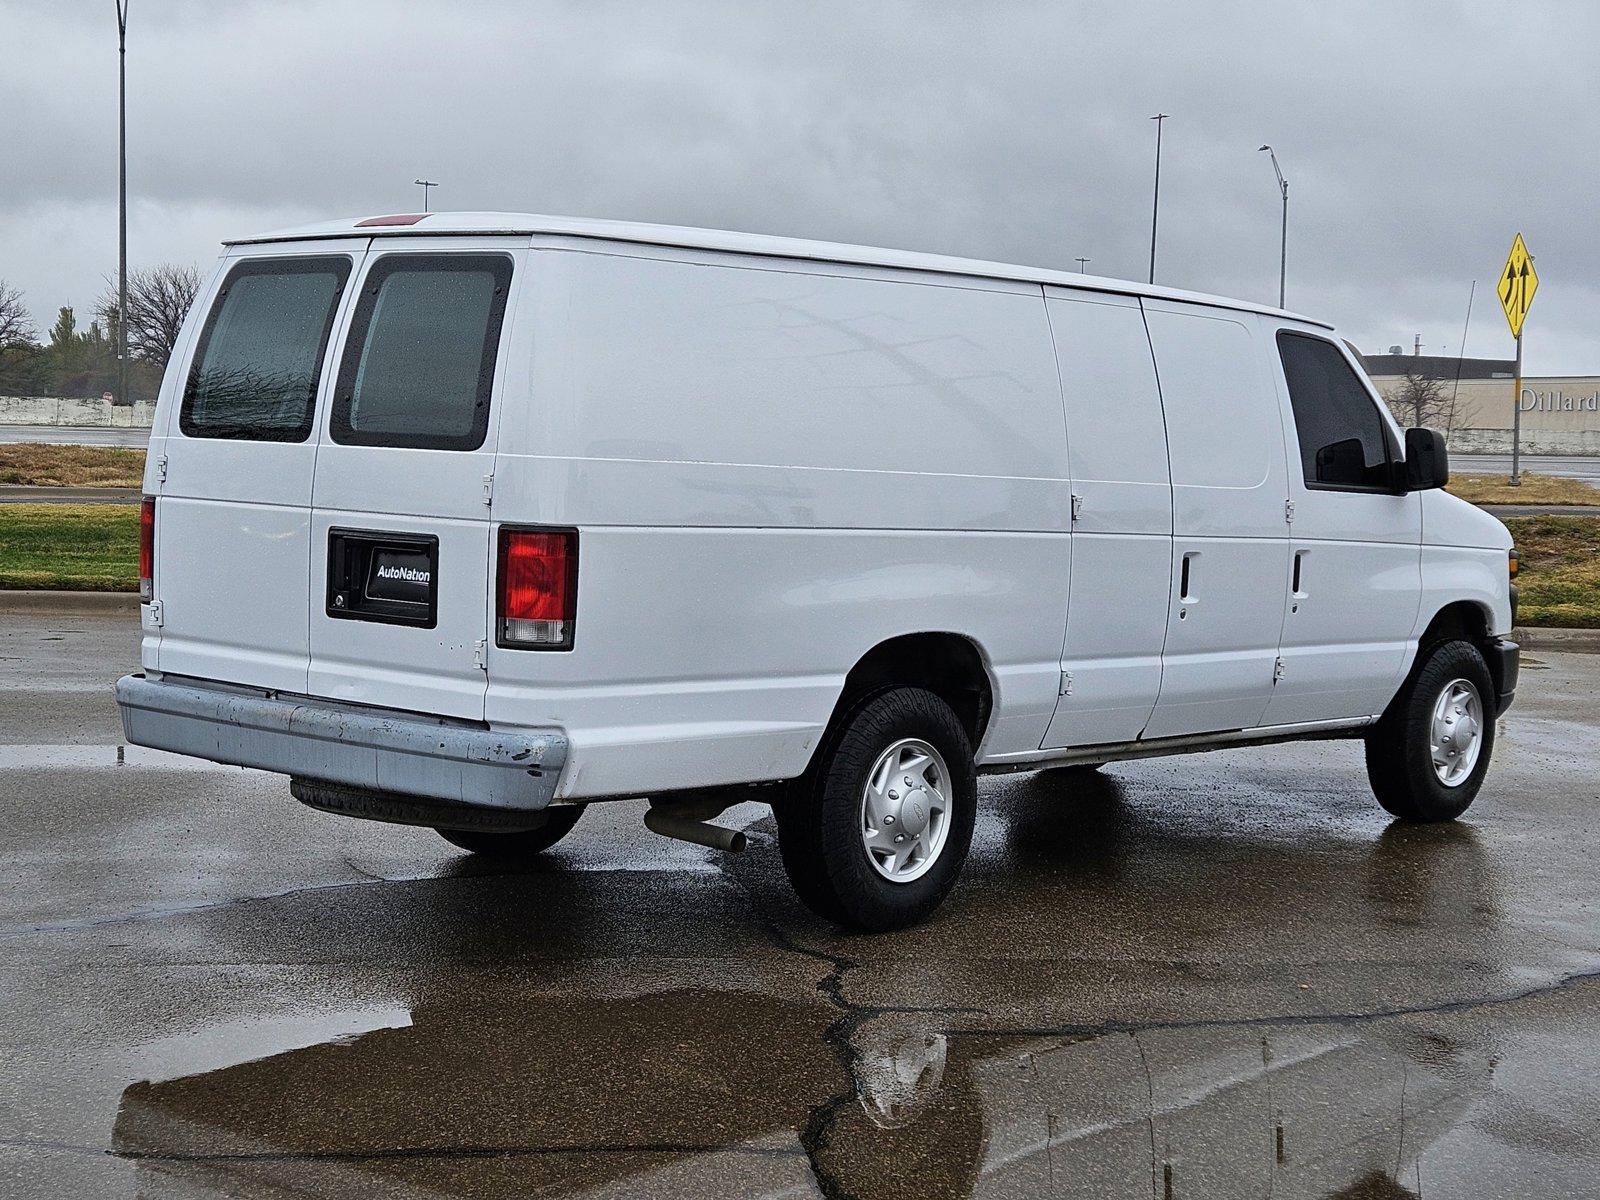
443	224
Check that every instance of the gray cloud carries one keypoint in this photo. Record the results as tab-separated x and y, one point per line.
1417	137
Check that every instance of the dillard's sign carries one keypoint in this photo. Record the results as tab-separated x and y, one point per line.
1557	401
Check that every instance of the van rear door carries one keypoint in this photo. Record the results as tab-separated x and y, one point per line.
401	555
233	512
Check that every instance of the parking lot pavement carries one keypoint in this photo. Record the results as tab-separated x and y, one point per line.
1223	975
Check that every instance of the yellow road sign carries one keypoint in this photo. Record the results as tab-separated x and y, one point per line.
1518	282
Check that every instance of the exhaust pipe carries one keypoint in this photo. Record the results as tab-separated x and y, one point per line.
701	833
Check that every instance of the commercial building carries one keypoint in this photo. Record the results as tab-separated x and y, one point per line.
1472	398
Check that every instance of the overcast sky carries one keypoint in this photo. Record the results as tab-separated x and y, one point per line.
1417	137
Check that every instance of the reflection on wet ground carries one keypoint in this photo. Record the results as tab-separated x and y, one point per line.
1214	977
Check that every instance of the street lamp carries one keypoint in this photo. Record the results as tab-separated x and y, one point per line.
122	201
1082	263
1283	236
1155	205
425	184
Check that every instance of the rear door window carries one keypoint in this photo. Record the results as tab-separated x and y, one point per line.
259	357
1343	444
418	365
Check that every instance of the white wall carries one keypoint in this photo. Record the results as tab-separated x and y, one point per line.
59	410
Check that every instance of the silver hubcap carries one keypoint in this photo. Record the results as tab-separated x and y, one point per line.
1456	732
905	810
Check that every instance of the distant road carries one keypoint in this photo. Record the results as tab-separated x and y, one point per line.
68	435
1584	467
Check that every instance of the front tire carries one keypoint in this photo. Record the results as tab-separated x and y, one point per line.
874	835
517	844
1427	757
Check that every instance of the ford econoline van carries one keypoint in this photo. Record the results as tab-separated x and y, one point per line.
472	520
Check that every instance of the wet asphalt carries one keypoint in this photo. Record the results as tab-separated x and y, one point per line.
1215	976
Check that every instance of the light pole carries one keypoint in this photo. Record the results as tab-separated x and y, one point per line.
425	184
1283	236
122	201
1082	264
1155	205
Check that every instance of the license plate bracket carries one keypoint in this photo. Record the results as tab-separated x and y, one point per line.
390	578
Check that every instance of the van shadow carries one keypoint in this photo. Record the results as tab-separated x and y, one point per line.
629	1032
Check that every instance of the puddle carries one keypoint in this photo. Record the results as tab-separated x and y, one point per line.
233	1043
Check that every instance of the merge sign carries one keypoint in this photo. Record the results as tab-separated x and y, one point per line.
1518	282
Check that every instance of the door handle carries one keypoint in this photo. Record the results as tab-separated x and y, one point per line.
1186	581
1299	566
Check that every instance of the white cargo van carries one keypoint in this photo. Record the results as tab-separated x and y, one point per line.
470	520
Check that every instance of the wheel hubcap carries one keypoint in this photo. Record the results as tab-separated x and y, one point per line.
1456	732
905	810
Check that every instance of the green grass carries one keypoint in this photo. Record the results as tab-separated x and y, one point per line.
1559	581
71	547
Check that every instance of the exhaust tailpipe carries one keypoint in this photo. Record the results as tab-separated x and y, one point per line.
701	833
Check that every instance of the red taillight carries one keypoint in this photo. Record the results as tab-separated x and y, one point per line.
538	588
147	549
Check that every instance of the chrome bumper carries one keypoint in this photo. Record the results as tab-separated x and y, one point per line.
405	754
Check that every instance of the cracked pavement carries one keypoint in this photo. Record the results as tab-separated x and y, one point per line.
1213	976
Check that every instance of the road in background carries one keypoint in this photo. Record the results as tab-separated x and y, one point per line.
1577	466
1225	974
75	435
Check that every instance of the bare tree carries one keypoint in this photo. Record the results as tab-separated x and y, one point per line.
1421	400
16	329
158	300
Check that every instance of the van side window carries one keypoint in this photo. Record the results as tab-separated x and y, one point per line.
259	357
419	363
1342	438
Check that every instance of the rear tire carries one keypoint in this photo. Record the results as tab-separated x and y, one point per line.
517	844
1427	756
864	847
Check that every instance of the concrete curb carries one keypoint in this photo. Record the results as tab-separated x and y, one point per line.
1569	641
46	603
16	493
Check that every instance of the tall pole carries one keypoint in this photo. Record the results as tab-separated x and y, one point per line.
1155	204
1083	263
425	184
1283	232
122	201
1516	422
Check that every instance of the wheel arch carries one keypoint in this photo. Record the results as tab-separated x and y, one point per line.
1459	620
952	666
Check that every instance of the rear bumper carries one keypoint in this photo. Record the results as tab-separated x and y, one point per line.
1504	665
401	753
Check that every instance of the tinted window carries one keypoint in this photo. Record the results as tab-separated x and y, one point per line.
260	354
419	362
1342	439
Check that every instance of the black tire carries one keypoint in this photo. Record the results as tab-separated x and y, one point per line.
517	844
819	820
1399	752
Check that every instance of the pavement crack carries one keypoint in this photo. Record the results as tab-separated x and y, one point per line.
1092	1030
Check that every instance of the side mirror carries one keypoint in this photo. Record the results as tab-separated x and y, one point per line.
1342	462
1427	460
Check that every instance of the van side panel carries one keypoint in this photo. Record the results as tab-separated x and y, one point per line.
1122	534
773	468
1230	529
